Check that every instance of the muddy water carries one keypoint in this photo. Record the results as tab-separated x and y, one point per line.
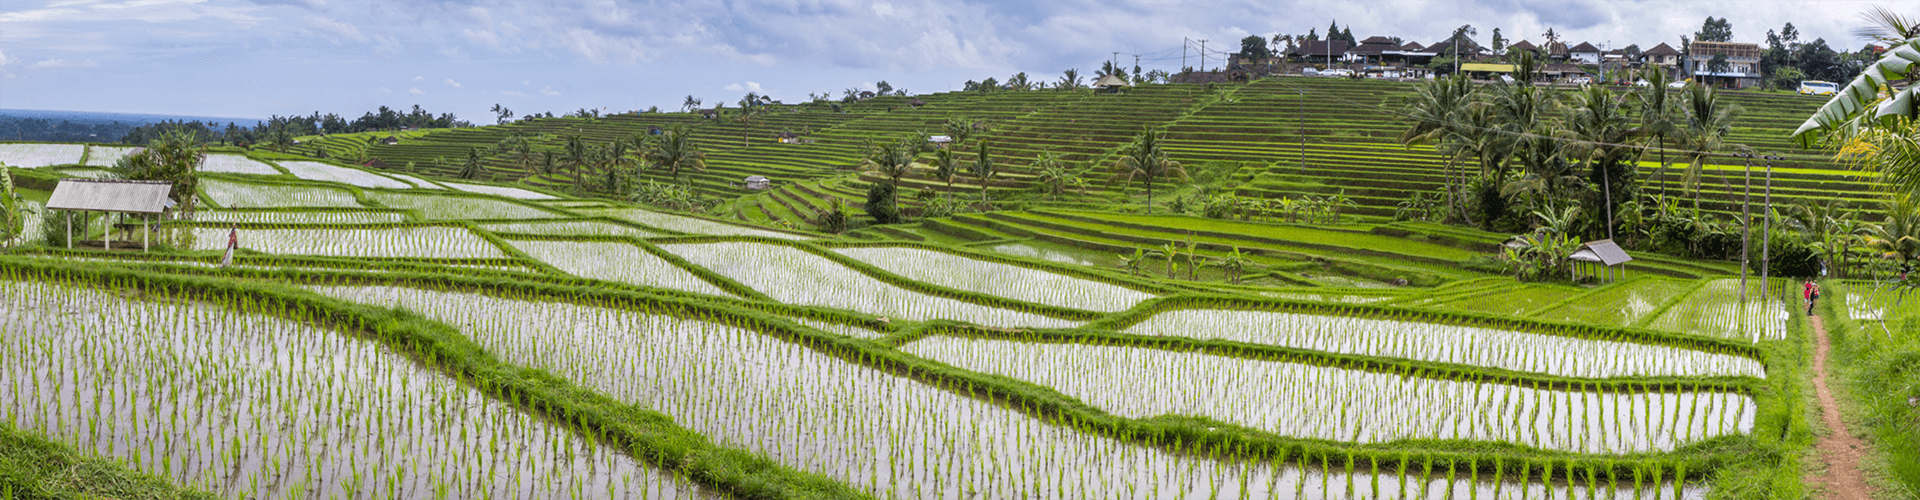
1505	349
887	435
252	406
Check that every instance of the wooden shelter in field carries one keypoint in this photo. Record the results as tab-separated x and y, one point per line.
1602	259
758	183
1111	83
143	198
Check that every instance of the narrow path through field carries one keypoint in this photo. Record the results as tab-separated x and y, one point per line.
1841	451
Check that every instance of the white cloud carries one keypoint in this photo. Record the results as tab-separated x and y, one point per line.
451	83
416	92
548	91
526	82
419	78
510	93
3	58
383	90
63	63
750	87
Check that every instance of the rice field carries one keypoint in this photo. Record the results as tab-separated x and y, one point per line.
417	182
305	217
1621	305
41	155
508	192
1483	347
887	435
316	171
437	207
1716	310
230	194
1348	405
568	228
1005	280
405	241
243	403
620	262
682	224
106	156
235	164
794	276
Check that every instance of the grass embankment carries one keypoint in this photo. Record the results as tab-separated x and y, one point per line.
1878	367
32	467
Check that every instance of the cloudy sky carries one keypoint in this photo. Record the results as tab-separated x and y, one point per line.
242	58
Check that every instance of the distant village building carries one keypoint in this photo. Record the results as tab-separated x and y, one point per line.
1320	51
939	141
1373	50
758	183
1522	46
1111	83
789	137
1662	56
1743	64
1584	53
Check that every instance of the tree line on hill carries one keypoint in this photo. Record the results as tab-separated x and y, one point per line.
279	131
17	128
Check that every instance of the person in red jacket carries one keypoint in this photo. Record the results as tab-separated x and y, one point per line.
1811	292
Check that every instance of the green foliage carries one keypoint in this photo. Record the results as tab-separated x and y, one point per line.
883	203
31	467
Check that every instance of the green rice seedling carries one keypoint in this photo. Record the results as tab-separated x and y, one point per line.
683	224
432	206
231	194
616	261
794	276
1005	280
256	401
1493	348
316	171
1329	403
403	241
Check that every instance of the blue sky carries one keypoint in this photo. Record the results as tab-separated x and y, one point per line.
263	57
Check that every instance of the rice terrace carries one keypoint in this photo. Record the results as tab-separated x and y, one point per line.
1318	268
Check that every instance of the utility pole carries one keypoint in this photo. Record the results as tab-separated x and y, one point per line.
1184	43
1766	231
1746	225
1202	56
1116	60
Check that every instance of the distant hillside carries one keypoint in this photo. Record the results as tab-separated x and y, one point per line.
1252	131
84	126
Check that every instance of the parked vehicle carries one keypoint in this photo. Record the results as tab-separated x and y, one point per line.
1580	80
1642	83
1679	84
1817	87
1310	72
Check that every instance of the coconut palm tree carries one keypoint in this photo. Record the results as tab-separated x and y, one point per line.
576	155
1437	110
945	168
750	110
675	152
1604	139
471	169
1145	159
1656	117
690	104
1069	79
1898	237
958	129
1705	131
984	170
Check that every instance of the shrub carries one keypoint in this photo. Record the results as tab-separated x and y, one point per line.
882	203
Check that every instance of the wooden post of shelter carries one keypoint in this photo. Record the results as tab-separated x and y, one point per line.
113	197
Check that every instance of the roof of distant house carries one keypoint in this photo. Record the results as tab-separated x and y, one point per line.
1584	47
1522	45
1602	251
1661	50
1321	48
1377	40
1111	81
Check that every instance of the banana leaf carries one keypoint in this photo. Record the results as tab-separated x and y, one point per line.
1871	91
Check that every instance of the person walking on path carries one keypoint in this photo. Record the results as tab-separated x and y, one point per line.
233	242
1811	292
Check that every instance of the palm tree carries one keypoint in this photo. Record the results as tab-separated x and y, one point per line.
1437	109
675	151
1887	27
945	168
750	109
575	155
1070	79
1604	139
1656	116
894	160
1898	237
984	170
958	129
549	163
1705	132
472	168
690	104
1146	159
